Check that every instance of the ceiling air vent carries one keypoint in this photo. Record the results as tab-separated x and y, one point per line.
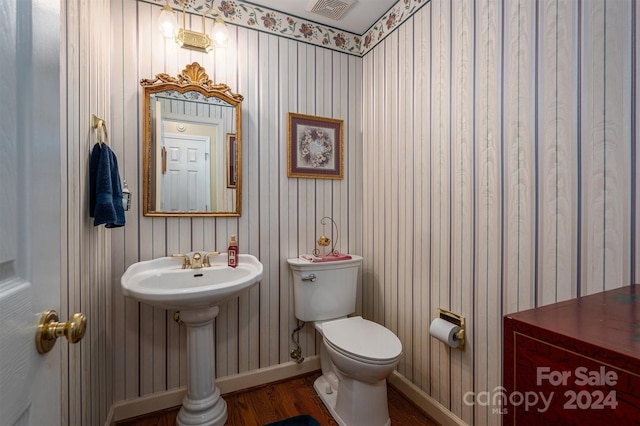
334	9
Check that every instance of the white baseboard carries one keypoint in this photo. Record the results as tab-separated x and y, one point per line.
173	398
433	408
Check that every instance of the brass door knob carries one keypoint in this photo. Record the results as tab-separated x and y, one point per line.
50	329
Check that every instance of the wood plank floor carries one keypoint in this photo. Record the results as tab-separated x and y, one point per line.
277	401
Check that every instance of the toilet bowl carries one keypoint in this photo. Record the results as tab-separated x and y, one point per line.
361	355
357	355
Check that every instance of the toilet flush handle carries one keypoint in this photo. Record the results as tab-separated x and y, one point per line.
311	278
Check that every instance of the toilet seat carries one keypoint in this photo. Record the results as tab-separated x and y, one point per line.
362	340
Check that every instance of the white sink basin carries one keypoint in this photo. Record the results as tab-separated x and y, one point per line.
163	283
196	293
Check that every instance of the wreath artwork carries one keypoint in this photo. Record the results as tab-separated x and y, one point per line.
315	147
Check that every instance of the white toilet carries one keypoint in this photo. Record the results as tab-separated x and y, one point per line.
357	355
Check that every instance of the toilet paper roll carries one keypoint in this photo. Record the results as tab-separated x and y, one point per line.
445	332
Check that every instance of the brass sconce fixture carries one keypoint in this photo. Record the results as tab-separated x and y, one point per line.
190	39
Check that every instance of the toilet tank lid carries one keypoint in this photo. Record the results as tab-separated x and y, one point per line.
304	264
362	338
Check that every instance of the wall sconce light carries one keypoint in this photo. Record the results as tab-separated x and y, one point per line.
167	21
190	39
220	32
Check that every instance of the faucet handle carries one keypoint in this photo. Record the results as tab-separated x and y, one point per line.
186	262
205	261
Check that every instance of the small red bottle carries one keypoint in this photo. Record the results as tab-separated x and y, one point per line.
232	252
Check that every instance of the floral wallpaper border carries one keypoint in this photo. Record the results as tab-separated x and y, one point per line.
249	15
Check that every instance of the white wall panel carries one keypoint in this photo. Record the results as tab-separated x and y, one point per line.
441	67
520	151
421	244
86	258
462	197
605	153
558	106
487	292
635	150
527	178
405	191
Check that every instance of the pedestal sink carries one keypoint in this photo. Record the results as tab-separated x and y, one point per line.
196	293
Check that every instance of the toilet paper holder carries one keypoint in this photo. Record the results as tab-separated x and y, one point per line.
456	319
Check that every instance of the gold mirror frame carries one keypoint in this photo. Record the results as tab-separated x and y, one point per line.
192	78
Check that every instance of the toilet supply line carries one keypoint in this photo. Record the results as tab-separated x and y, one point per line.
296	353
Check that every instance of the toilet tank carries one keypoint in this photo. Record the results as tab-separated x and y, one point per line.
324	290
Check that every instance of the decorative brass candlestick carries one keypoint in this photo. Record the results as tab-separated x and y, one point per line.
324	241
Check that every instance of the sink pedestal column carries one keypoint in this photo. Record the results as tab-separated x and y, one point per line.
202	404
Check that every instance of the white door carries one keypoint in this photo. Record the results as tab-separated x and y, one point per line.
30	182
186	184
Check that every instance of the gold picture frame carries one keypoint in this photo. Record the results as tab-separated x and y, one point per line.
315	147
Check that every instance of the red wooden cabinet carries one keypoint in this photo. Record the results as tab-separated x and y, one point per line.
575	362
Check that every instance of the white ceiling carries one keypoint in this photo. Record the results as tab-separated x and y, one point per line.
358	19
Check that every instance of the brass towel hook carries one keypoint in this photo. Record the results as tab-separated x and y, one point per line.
100	127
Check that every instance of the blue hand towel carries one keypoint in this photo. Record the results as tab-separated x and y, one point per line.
105	194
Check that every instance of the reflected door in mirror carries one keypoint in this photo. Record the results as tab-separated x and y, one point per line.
186	183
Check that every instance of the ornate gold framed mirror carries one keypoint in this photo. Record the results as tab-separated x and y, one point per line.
190	128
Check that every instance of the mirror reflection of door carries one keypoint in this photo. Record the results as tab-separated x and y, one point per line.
186	182
177	171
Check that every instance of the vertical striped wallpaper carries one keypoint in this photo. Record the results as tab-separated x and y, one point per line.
500	173
280	216
492	166
86	275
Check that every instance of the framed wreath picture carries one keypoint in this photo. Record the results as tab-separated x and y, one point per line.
315	147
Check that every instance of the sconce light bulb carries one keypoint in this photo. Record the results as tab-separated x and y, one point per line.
220	33
168	22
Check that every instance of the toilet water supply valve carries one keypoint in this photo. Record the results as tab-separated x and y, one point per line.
296	354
